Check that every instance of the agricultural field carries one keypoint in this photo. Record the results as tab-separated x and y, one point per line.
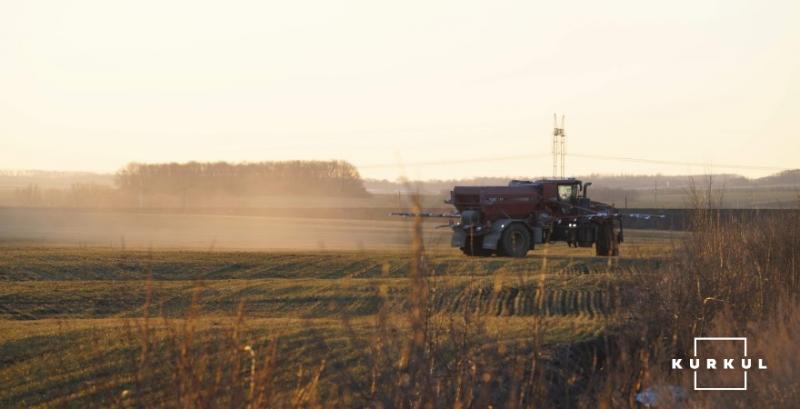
134	325
73	317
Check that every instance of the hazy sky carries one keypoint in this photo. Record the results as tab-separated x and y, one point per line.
92	85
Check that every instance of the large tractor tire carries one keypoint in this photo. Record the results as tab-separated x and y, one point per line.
607	243
474	247
516	241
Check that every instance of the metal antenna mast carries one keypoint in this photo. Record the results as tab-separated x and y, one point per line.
559	148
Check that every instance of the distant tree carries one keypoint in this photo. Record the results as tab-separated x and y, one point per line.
29	195
311	178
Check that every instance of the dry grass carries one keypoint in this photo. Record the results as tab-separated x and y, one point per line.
729	277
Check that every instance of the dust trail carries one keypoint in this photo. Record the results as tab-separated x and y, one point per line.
106	228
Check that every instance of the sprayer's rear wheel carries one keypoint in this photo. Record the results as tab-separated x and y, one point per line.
516	241
607	243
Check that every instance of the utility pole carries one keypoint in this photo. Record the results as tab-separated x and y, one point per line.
655	193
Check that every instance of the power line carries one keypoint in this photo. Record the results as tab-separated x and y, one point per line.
677	163
576	155
450	162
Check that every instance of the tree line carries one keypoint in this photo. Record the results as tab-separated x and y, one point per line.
311	178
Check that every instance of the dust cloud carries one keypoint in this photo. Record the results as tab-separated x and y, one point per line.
206	231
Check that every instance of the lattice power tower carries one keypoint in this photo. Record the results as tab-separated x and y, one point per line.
559	147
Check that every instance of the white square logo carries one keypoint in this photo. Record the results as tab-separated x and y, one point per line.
709	339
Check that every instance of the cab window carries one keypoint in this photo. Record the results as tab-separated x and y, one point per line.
567	193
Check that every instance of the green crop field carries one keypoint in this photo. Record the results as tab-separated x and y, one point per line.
72	317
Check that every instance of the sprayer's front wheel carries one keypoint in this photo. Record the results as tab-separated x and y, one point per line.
516	241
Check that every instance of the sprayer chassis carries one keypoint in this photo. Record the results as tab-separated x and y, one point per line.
511	220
